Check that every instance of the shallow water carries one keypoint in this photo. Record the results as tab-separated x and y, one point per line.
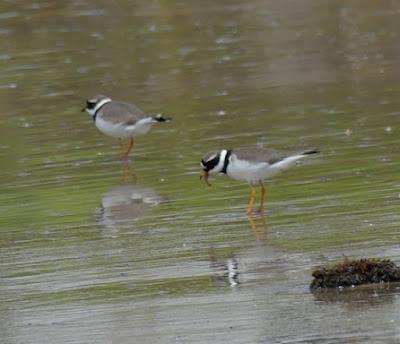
89	256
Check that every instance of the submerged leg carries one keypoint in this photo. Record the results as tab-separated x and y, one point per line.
262	198
121	145
252	198
128	172
254	227
265	224
129	147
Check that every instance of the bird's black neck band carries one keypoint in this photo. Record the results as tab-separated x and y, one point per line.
95	114
226	161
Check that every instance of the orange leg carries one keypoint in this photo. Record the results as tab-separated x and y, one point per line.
262	198
252	198
124	154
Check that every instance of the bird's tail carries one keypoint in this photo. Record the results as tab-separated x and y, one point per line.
310	151
291	159
161	118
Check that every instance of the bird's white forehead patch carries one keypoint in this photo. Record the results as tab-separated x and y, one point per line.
212	157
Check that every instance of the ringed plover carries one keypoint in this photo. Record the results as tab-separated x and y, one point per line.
252	165
120	120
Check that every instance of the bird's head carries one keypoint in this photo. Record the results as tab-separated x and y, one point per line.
212	163
94	103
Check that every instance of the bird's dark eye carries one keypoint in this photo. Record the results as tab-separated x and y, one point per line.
210	164
90	105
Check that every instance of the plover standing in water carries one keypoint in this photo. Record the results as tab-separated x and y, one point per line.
252	165
120	120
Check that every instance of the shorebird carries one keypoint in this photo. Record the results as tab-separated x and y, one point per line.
120	120
252	165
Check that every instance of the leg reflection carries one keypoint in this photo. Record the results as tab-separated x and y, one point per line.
129	174
255	228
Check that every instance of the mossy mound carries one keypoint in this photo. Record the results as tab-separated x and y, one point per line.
355	272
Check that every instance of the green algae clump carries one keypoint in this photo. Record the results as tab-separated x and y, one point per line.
355	272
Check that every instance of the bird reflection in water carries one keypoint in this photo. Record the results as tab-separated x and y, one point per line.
228	271
123	204
254	227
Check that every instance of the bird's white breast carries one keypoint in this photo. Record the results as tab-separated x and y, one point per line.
251	172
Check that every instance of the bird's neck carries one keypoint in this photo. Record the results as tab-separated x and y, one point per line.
226	161
98	106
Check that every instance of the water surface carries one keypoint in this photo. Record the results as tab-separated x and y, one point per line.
89	256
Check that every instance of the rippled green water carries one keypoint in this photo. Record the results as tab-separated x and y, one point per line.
88	256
